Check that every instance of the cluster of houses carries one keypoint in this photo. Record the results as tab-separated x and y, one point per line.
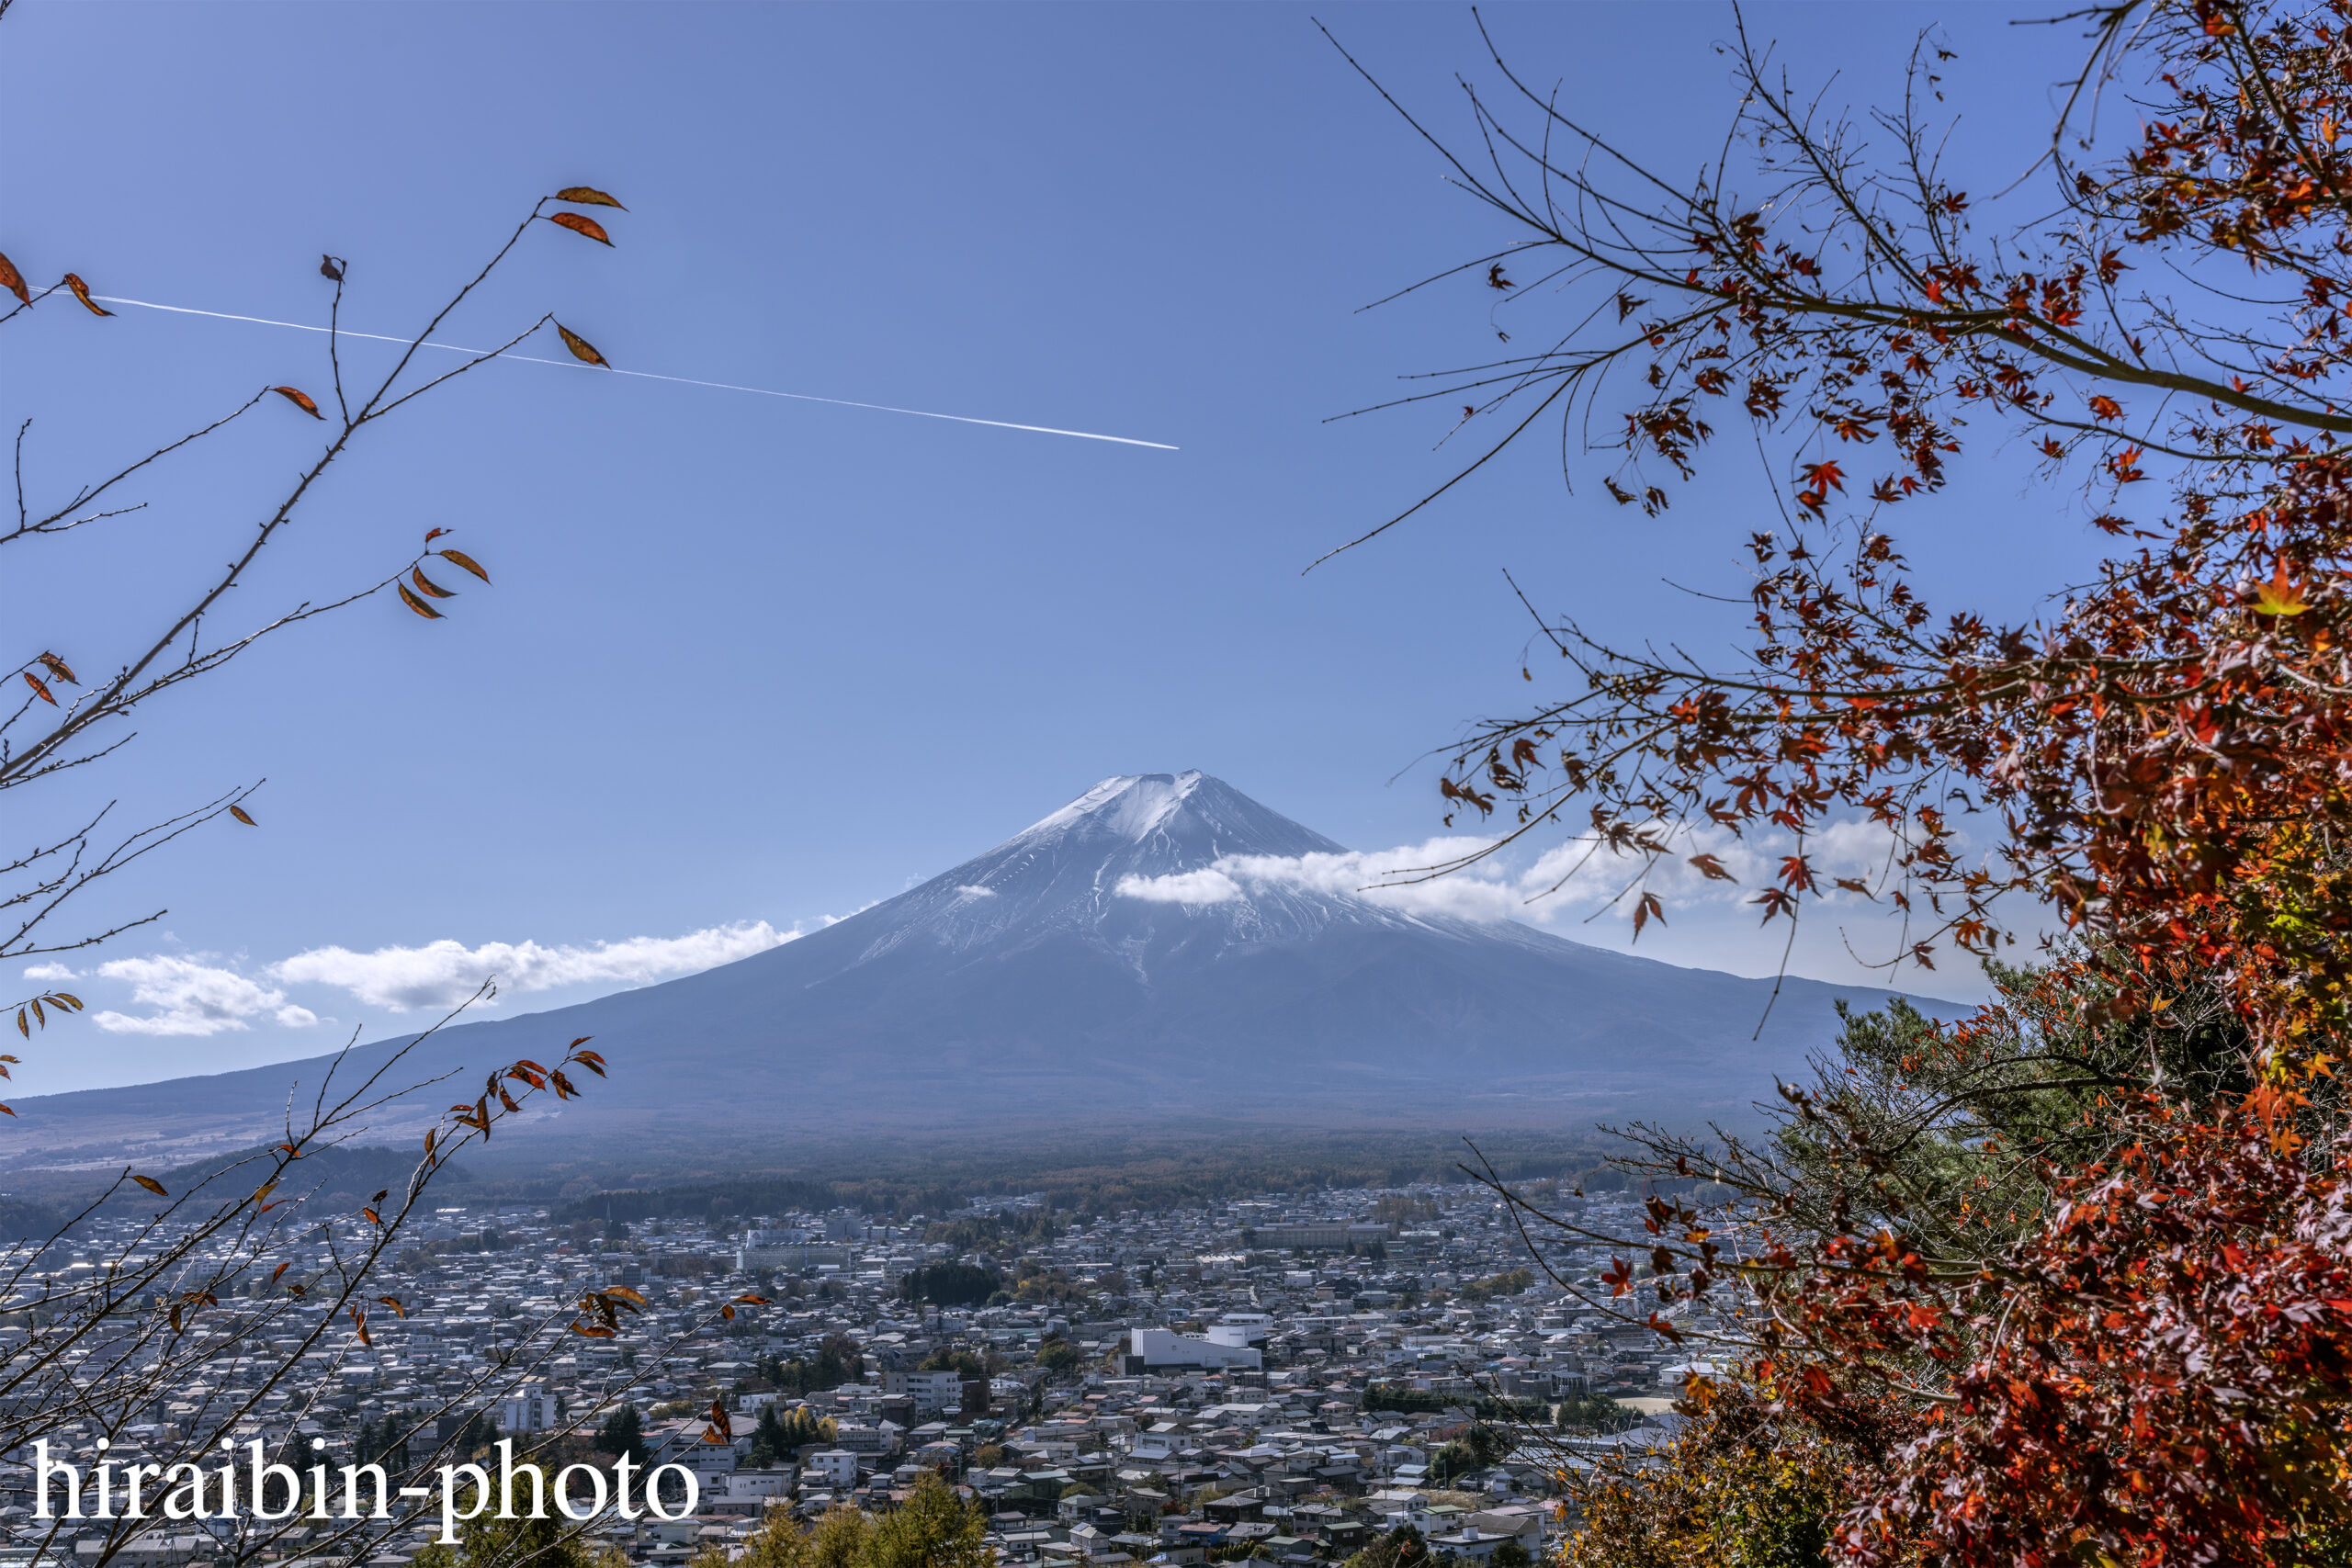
1292	1376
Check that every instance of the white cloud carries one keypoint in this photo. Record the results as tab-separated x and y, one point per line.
1570	877
444	973
969	890
1483	892
1211	886
48	972
196	998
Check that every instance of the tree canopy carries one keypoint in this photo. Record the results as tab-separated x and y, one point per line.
2068	1279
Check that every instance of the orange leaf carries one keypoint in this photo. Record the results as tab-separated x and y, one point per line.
81	292
1710	868
579	223
242	815
587	196
419	606
581	349
394	1303
591	1332
459	558
372	1217
2277	597
300	400
40	689
13	281
58	667
279	1274
151	1185
426	585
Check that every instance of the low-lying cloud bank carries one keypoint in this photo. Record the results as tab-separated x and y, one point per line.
444	973
1572	877
194	998
200	994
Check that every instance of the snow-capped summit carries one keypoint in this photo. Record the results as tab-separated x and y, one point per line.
1069	875
1183	813
1097	969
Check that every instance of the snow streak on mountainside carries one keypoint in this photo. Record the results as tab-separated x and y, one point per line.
1095	969
1073	874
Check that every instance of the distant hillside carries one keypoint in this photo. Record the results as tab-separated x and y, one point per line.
22	1220
338	1177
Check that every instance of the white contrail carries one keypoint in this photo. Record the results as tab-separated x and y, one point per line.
644	375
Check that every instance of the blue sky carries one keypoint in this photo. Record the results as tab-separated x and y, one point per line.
749	660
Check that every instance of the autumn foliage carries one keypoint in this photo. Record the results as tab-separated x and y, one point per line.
2072	1280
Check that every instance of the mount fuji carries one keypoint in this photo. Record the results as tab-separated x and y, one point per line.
1100	969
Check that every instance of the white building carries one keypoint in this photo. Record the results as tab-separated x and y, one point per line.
530	1408
1241	1328
1150	1349
932	1393
834	1468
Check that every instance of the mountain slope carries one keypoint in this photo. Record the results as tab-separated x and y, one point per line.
1024	990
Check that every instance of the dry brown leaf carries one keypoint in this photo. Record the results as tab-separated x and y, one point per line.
81	292
581	349
579	223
